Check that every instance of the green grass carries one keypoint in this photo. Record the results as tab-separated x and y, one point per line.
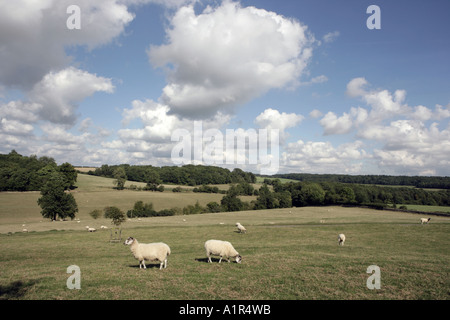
288	254
281	261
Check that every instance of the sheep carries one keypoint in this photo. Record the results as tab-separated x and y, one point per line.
341	239
103	227
90	229
24	230
241	228
149	251
222	249
424	220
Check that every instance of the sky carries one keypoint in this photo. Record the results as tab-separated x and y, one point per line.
151	82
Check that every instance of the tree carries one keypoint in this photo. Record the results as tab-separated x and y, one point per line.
54	201
70	175
214	207
95	213
266	199
115	214
230	202
121	177
311	194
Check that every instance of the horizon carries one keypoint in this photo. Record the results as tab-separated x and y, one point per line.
350	90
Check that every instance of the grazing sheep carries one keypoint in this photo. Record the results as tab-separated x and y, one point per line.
149	251
341	239
222	249
241	228
424	220
24	230
103	227
90	229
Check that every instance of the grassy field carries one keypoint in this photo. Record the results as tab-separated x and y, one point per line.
288	254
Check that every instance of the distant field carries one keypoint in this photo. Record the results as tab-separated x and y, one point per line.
288	254
416	207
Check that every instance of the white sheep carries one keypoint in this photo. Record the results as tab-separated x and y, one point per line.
90	229
241	228
103	227
149	251
222	249
341	239
424	220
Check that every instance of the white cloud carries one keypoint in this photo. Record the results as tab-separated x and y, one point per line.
315	114
331	36
407	144
34	35
273	119
355	87
336	125
323	157
59	93
249	51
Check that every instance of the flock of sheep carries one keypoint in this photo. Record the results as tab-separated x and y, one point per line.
224	249
160	251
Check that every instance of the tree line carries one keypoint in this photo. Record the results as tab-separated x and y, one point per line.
190	175
416	181
22	173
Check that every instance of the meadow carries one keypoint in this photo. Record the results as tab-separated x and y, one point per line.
288	254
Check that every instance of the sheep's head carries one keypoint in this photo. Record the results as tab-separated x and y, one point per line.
238	258
129	241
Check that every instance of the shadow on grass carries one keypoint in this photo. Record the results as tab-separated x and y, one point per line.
16	289
148	265
213	260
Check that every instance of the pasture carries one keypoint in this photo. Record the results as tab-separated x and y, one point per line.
288	254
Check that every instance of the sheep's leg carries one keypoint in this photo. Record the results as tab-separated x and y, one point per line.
220	259
165	263
161	265
143	262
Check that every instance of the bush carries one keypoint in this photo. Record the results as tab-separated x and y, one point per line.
95	214
115	214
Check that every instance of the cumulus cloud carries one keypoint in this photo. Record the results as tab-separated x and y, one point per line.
336	125
323	157
59	93
34	35
407	144
273	119
227	55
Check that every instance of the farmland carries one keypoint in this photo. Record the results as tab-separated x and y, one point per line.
288	254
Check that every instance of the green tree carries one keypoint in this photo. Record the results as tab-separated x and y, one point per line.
266	199
70	175
121	177
95	214
115	214
311	194
55	202
230	202
214	207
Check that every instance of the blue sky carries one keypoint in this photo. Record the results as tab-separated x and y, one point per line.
345	99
